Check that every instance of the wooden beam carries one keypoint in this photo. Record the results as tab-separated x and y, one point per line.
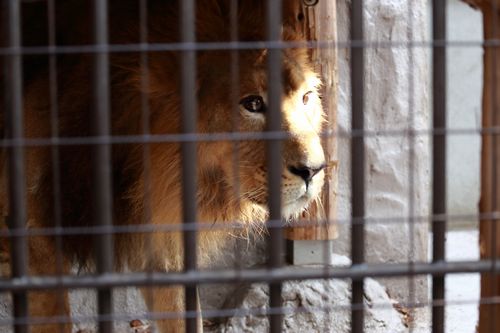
319	23
489	230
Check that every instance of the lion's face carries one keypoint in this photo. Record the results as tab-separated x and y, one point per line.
244	163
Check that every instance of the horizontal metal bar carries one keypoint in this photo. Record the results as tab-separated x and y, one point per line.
204	226
237	312
246	275
233	136
214	46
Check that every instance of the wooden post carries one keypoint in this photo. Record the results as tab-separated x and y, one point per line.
318	21
489	230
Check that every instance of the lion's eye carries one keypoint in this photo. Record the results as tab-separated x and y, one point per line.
253	103
305	98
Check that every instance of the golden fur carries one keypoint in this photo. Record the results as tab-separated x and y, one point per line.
146	186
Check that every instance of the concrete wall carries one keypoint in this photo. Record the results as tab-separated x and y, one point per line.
397	91
398	97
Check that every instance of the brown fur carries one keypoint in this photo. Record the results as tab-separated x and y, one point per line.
226	193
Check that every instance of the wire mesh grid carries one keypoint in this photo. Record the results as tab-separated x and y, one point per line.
102	147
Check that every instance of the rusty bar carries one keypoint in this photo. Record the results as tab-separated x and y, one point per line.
14	130
189	116
492	118
488	228
357	162
274	151
439	156
102	161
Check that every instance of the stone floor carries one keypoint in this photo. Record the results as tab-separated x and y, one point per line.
462	292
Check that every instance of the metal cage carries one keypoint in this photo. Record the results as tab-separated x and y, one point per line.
101	139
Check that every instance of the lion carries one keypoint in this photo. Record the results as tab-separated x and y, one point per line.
146	176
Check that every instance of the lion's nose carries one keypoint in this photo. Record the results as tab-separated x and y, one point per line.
306	172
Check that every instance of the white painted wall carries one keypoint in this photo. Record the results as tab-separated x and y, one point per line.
465	81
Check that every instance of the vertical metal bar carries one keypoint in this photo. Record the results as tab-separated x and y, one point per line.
15	129
189	176
145	111
411	164
439	156
54	123
235	97
274	151
102	161
357	161
53	89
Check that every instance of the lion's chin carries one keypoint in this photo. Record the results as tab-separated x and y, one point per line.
291	209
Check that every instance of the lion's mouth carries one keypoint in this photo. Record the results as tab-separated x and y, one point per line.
263	200
289	207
